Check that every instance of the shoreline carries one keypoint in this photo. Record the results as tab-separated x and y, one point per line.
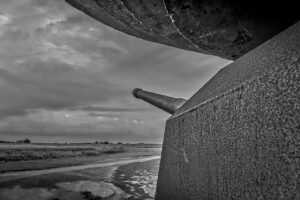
28	173
98	179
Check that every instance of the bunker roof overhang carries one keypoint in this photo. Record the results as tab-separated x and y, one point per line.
224	28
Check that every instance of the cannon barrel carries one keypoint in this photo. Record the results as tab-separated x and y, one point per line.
166	103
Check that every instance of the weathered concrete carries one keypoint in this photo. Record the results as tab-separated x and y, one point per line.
228	29
238	137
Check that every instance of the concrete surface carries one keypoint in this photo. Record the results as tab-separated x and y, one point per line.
238	137
228	29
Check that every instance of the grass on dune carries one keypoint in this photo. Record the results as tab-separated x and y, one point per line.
39	152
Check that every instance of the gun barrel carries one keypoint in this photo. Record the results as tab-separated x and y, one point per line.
166	103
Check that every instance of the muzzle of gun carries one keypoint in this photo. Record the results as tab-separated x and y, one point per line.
166	103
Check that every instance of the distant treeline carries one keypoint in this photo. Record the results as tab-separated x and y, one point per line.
2	141
136	145
25	141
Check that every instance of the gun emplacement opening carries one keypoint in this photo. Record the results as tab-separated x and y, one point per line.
166	103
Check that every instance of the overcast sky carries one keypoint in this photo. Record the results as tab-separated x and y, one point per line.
65	77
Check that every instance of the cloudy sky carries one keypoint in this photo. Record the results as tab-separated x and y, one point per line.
65	77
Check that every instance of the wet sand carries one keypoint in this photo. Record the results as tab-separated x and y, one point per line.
84	182
72	168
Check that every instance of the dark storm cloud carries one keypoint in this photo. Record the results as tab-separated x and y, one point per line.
64	75
51	85
123	131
